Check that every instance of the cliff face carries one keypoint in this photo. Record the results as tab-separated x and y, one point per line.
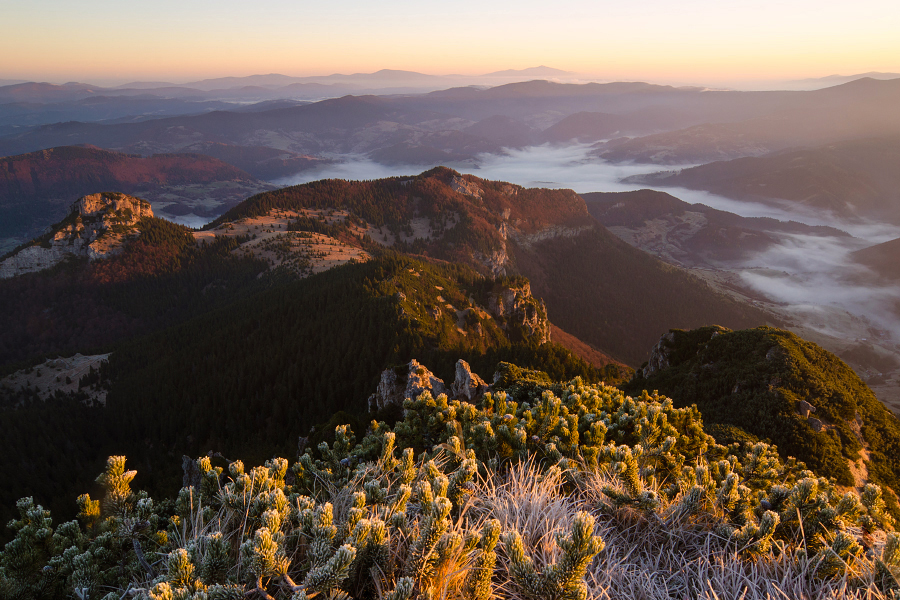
519	310
96	227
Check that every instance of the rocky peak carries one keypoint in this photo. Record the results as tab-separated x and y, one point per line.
96	227
467	188
113	208
467	385
660	355
518	309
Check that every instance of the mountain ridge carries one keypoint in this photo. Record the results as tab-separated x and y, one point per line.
852	179
772	384
36	189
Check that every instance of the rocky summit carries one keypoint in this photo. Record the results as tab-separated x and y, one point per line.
96	227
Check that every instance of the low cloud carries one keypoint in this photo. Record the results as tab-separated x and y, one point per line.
812	277
546	166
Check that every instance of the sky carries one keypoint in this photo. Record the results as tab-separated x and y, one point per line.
702	41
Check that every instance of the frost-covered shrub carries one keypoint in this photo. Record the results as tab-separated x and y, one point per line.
404	513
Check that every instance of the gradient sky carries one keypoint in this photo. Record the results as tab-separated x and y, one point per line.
661	40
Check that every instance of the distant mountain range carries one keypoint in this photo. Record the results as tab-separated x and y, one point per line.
839	79
269	86
628	121
541	71
456	125
438	128
862	108
852	178
388	77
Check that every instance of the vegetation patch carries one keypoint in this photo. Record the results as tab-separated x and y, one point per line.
578	491
771	384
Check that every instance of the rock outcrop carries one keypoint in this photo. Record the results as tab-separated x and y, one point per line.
467	385
467	188
496	261
96	227
400	383
518	309
412	379
660	355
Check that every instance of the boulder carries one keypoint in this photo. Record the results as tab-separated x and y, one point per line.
400	383
816	424
467	385
804	408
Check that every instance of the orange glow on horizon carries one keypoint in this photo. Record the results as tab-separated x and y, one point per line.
692	40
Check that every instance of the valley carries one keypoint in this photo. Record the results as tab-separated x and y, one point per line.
805	275
473	276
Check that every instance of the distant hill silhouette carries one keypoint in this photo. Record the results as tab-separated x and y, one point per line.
850	178
861	108
883	258
36	189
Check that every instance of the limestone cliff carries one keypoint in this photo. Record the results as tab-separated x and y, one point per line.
96	227
514	306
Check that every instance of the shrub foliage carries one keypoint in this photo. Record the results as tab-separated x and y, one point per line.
391	515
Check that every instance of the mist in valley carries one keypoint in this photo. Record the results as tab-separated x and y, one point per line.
546	166
810	280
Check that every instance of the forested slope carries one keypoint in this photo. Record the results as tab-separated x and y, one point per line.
763	381
253	374
620	298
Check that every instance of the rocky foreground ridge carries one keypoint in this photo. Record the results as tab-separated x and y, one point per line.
96	227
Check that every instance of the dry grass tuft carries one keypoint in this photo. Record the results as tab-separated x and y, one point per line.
663	556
